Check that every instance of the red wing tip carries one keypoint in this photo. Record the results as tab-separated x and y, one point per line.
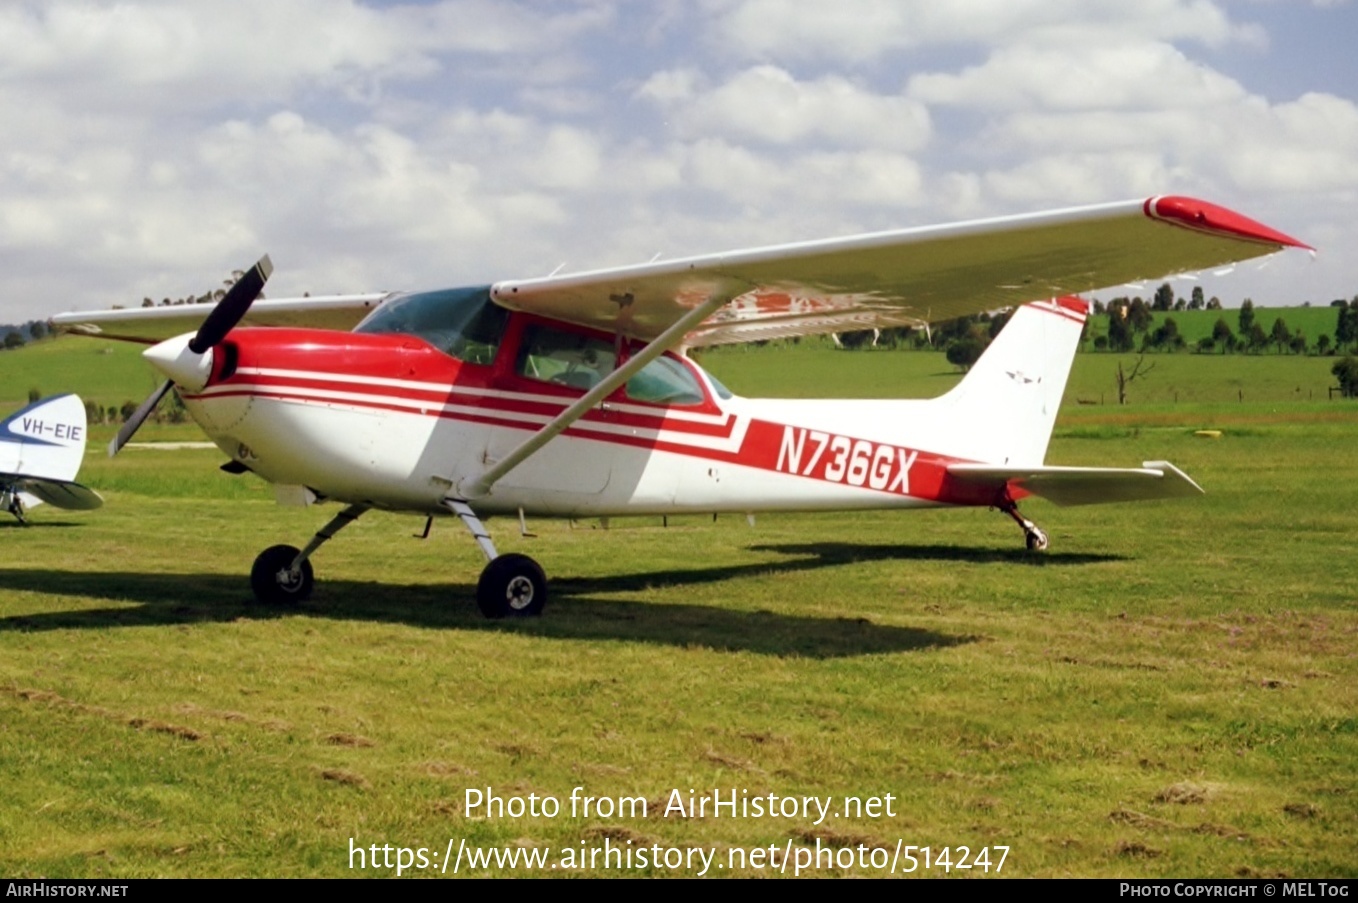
1192	213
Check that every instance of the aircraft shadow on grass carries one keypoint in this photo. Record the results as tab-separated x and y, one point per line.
577	612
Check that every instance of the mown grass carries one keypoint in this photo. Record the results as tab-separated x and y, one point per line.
1170	691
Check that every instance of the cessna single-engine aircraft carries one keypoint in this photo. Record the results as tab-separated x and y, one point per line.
573	395
41	448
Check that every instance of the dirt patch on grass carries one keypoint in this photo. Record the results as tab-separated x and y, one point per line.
56	700
348	740
1187	793
348	778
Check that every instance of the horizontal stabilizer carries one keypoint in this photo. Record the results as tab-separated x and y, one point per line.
1082	485
60	493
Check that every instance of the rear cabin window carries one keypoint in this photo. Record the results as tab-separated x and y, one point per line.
461	322
665	381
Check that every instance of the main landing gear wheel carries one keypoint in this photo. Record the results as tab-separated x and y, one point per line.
512	585
275	582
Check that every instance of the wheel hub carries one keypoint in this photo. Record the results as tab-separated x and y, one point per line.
519	593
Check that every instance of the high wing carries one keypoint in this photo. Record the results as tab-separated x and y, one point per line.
1079	485
149	325
906	277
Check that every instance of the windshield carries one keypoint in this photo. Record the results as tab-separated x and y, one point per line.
461	322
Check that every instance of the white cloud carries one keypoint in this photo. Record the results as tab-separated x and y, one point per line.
1143	75
856	30
765	104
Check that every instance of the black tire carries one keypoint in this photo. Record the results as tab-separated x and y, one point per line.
273	584
512	586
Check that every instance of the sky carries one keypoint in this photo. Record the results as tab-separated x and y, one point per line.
150	147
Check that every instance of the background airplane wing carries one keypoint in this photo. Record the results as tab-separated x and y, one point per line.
1081	485
907	277
59	493
149	325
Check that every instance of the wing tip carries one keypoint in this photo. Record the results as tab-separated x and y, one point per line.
1202	216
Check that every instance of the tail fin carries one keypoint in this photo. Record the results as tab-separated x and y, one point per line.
1005	407
45	440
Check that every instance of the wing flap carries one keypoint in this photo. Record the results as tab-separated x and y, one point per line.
905	277
1081	485
149	325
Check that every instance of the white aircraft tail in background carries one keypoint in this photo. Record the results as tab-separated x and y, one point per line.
41	448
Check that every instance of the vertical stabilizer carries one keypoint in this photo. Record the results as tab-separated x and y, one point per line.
1005	407
45	440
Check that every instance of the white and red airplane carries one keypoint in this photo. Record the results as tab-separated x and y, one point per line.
573	395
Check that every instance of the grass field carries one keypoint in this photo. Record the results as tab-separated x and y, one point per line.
1171	691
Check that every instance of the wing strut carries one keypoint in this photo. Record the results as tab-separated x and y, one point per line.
479	487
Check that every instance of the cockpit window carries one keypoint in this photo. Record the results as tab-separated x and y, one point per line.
564	358
461	322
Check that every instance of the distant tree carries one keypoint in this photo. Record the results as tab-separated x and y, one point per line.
37	329
1125	379
1257	340
1119	332
147	302
1214	303
1164	297
1280	335
1346	371
1101	343
1138	315
1221	335
857	339
94	412
1346	328
1298	342
13	340
1180	304
965	352
1196	302
997	323
1098	307
127	410
1246	316
1322	344
33	395
1339	302
1165	336
1206	345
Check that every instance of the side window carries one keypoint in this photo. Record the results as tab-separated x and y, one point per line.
564	358
665	381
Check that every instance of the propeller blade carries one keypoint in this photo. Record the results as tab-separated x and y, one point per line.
138	416
230	309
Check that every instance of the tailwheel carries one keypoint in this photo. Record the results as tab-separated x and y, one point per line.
1034	537
512	585
276	582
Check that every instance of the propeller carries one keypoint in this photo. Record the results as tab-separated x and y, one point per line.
192	359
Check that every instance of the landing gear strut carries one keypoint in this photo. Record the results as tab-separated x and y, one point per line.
282	575
15	506
1034	537
511	585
